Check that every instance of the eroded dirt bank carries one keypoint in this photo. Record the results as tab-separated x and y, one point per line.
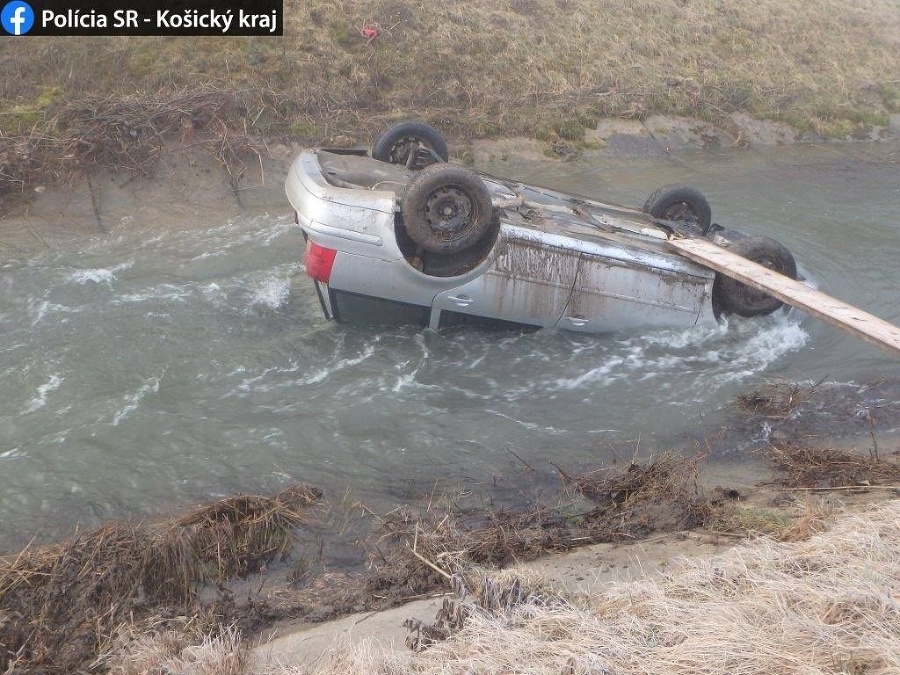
194	182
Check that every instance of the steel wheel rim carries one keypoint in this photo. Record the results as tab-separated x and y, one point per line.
680	211
448	210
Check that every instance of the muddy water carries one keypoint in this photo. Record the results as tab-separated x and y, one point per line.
155	367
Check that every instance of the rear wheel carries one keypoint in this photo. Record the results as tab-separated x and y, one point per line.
414	145
681	204
732	297
446	208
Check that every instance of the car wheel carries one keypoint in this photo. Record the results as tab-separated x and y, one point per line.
414	145
732	297
680	203
446	208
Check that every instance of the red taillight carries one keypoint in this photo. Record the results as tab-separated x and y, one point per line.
319	261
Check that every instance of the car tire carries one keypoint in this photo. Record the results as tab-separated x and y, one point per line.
414	145
681	204
732	297
446	208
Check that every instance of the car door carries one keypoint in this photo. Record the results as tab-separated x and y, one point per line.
528	283
621	289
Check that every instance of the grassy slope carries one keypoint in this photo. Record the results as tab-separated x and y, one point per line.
543	68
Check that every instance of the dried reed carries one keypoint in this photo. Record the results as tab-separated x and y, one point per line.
805	466
828	604
63	603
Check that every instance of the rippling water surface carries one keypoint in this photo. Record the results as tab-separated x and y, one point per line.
149	370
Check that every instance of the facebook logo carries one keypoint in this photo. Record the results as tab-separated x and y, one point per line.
17	17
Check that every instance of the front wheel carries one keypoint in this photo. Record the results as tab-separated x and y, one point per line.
732	297
446	208
414	145
681	204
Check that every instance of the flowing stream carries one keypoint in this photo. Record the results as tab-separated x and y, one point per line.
150	369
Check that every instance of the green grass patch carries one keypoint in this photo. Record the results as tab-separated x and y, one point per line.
25	116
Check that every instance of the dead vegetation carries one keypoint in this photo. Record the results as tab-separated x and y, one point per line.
185	646
72	604
125	598
830	598
420	550
823	468
126	134
413	550
777	399
547	69
62	605
427	547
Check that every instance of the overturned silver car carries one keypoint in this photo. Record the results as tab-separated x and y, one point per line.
397	234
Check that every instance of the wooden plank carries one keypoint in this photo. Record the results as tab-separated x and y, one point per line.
862	324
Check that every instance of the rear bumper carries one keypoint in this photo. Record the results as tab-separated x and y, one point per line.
357	220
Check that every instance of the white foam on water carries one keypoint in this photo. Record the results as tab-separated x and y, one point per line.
409	369
256	383
684	338
43	392
602	374
716	356
532	426
57	438
168	292
763	348
273	292
214	292
133	402
99	275
367	353
315	377
207	255
281	226
236	235
408	381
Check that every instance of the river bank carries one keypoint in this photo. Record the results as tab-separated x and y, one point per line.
839	416
541	69
242	585
714	610
193	178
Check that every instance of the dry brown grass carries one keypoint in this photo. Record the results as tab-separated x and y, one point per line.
824	605
117	598
420	548
183	651
545	68
124	133
61	605
777	399
824	468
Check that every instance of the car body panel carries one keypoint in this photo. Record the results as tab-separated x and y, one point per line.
528	282
610	295
558	259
